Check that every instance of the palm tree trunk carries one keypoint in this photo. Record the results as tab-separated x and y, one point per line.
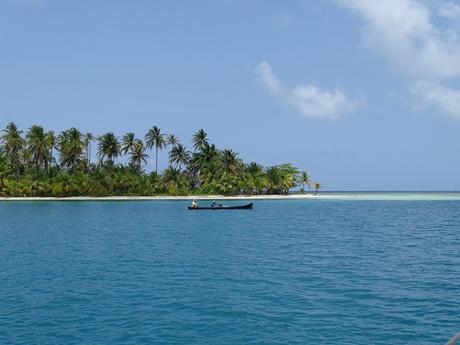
50	161
156	160
17	169
74	165
87	155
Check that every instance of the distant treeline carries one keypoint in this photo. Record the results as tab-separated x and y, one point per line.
44	163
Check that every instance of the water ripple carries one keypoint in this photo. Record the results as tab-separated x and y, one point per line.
288	272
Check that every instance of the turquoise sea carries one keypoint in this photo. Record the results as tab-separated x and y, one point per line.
347	269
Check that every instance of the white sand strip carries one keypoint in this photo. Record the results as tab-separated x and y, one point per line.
165	197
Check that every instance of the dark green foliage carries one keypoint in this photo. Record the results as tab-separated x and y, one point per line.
42	164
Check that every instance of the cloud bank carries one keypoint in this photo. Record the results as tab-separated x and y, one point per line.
423	51
449	10
441	97
308	99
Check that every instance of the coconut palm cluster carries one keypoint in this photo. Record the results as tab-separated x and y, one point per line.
37	162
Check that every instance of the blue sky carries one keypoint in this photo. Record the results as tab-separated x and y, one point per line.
362	94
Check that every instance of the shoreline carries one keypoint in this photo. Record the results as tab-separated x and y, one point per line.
339	196
163	198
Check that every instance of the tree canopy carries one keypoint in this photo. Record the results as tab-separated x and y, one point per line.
42	163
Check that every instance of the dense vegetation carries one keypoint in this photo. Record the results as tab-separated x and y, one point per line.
43	163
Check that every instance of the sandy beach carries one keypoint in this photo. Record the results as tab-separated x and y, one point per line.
164	197
389	196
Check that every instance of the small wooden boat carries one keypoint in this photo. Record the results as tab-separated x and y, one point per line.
221	207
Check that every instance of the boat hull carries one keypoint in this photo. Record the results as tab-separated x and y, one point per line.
238	207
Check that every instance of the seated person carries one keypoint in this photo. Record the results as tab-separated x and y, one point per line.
194	203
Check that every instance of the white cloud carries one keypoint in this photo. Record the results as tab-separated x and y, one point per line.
449	10
423	51
438	96
403	30
269	79
308	99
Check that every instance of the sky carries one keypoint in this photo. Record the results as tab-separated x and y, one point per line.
362	94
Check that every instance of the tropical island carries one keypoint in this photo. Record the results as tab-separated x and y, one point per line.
40	163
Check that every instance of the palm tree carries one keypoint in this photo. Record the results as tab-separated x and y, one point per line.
38	146
208	168
230	164
128	143
61	146
172	140
200	140
154	138
317	186
3	171
254	169
71	148
203	159
13	144
210	153
208	163
51	139
254	179
275	179
75	147
304	180
138	155
87	139
173	181
289	176
108	147
179	156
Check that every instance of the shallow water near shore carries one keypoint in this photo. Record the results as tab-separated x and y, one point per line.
392	196
323	271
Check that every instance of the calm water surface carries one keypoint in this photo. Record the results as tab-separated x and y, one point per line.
288	272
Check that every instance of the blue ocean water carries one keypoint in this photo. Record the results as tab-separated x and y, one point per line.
287	272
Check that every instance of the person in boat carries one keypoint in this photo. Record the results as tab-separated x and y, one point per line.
194	203
214	204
